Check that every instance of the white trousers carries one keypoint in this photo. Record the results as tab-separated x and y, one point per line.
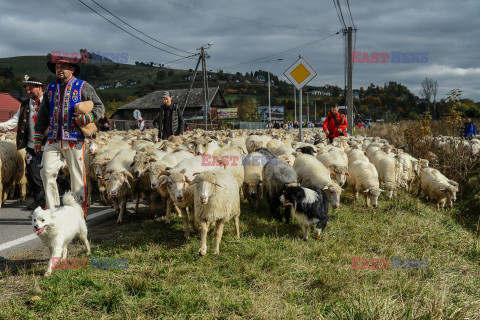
55	155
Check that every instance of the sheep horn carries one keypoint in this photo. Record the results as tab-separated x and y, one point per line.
128	174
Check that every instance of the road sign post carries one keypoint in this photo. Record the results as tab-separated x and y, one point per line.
300	73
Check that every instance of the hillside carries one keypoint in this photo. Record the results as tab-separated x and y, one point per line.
392	101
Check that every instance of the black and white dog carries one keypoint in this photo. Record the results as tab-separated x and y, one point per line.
310	207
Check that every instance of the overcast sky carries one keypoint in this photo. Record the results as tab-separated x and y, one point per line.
247	33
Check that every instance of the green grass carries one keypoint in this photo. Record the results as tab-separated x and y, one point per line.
269	273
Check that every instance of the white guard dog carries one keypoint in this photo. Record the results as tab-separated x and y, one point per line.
57	229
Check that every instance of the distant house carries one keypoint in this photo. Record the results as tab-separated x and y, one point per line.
149	105
117	84
260	78
103	86
8	106
131	82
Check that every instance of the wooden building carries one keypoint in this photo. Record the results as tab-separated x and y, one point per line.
149	105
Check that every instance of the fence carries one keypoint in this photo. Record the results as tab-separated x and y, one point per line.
252	125
193	125
124	125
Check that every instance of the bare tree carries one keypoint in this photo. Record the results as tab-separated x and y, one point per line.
434	93
427	88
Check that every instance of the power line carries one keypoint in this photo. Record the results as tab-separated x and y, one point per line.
241	19
281	53
342	23
341	13
351	18
139	31
116	25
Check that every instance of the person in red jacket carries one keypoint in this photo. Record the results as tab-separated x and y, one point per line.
335	124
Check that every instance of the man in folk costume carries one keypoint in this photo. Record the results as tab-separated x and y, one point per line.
335	124
60	118
25	120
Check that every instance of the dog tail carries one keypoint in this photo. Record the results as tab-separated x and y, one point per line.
69	200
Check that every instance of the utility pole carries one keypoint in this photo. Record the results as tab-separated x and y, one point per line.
206	105
295	99
269	104
308	108
349	97
300	103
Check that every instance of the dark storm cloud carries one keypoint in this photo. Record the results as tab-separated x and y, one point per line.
445	30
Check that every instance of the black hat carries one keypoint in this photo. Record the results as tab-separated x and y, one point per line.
60	59
32	80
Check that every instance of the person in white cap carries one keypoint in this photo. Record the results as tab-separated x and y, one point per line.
141	124
25	120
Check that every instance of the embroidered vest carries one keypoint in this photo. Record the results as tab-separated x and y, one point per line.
64	110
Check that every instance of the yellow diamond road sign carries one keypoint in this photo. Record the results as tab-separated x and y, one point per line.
300	73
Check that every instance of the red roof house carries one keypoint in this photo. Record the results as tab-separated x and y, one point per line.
8	106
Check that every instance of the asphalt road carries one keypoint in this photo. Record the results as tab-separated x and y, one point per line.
16	231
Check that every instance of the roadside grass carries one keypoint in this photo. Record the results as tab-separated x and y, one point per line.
269	273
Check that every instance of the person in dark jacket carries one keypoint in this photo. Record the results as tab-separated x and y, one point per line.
468	129
25	119
170	119
103	123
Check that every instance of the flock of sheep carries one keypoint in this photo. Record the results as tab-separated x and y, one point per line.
203	175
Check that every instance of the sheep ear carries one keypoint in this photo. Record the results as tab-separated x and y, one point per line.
187	180
196	173
366	191
183	170
194	181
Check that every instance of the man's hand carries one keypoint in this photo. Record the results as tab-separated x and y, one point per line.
327	132
340	131
78	118
37	148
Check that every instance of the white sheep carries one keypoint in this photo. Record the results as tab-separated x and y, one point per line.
253	164
182	195
364	178
312	173
356	154
389	170
216	201
337	163
437	187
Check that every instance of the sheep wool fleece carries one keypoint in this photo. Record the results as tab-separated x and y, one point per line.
73	154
